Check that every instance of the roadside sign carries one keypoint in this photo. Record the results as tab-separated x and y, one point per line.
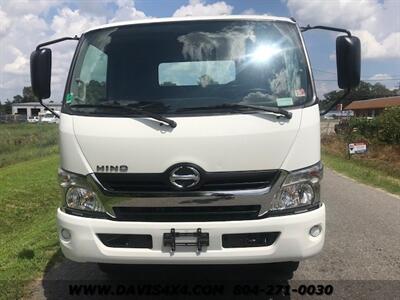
357	148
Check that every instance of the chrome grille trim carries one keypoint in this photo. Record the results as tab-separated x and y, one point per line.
262	197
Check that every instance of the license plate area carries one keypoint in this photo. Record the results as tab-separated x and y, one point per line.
198	239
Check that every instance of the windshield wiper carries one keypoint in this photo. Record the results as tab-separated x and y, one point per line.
237	106
133	110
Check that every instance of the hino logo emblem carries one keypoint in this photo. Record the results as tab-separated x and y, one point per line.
112	168
184	177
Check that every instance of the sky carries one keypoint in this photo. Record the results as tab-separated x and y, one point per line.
25	23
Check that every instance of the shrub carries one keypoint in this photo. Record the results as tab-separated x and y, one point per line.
389	125
365	127
384	128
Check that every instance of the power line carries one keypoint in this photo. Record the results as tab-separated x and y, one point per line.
392	79
323	71
334	73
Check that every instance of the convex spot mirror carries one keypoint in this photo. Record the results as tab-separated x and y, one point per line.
348	60
41	72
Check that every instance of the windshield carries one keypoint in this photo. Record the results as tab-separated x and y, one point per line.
173	67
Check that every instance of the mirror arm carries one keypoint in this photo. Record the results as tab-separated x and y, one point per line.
49	109
308	27
346	93
68	38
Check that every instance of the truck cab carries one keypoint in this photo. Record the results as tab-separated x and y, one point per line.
189	141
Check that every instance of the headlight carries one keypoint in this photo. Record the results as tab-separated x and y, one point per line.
83	199
77	192
300	189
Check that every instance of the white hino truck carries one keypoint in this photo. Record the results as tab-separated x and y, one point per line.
192	141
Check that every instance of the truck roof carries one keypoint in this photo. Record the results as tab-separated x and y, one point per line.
187	19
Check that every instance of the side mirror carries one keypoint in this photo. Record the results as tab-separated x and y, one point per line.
41	72
348	60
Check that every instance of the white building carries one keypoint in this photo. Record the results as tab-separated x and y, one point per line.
30	109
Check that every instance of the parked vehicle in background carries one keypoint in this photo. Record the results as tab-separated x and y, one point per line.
33	119
191	141
330	117
338	114
48	117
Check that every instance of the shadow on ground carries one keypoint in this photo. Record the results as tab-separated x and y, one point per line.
165	282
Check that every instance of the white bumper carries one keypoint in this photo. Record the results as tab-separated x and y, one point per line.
293	244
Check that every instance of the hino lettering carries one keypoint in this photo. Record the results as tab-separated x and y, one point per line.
105	168
210	127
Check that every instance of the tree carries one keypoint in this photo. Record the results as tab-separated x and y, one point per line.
27	94
389	125
397	91
6	107
379	90
18	99
363	92
95	90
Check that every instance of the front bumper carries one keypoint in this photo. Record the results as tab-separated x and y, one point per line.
293	244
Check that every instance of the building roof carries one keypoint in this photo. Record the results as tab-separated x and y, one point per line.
195	18
374	103
29	104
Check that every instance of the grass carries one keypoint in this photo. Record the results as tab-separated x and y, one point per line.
381	157
379	167
362	172
29	196
24	141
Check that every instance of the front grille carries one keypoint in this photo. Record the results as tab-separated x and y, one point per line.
187	214
211	181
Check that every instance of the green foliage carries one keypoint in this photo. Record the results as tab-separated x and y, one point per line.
361	171
384	128
365	127
95	90
5	108
364	91
27	96
389	125
18	99
20	142
29	196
